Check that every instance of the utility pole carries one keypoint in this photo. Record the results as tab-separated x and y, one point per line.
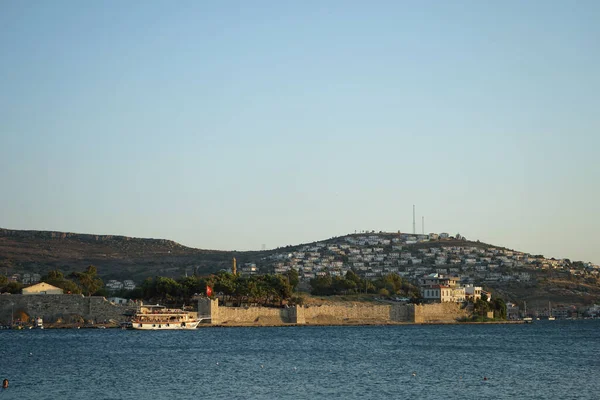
414	226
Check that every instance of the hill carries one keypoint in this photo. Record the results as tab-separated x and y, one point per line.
513	275
117	257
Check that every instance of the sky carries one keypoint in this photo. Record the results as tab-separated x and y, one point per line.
237	125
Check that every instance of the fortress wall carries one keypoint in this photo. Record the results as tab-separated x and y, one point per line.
65	306
402	313
332	314
221	315
250	315
439	313
350	313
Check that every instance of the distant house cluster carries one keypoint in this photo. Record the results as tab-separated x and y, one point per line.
114	285
248	269
375	255
513	311
25	279
415	256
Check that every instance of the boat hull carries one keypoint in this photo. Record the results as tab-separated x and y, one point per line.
145	326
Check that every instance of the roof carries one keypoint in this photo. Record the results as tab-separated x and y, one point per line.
41	286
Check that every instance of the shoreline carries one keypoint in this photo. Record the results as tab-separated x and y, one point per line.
279	325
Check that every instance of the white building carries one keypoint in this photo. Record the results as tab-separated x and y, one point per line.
42	288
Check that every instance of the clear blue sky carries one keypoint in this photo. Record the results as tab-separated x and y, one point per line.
229	125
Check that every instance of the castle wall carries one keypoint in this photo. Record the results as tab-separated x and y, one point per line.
339	314
347	314
439	313
67	307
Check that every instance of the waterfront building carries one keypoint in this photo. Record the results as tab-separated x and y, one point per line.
473	293
440	288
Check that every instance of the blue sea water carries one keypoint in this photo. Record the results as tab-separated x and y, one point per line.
544	360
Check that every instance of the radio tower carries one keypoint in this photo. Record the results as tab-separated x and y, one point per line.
423	225
414	226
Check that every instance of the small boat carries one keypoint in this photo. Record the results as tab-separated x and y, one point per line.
526	319
161	318
550	317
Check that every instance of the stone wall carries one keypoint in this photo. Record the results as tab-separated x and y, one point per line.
439	313
331	314
220	315
347	314
250	315
67	307
402	313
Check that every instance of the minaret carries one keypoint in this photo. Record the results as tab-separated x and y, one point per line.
234	267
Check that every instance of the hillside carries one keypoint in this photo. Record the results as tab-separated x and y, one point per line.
513	275
117	257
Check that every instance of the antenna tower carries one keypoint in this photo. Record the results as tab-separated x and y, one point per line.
423	224
414	226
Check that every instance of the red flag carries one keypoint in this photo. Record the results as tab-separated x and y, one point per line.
208	291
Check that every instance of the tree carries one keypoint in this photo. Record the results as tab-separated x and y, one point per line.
321	285
499	308
281	286
89	280
293	278
481	307
54	274
13	288
56	278
352	276
167	288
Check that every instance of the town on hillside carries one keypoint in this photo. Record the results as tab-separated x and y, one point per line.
455	267
445	268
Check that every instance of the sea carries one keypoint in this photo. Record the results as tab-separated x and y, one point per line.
543	360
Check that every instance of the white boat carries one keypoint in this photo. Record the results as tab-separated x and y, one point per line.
550	317
162	318
526	319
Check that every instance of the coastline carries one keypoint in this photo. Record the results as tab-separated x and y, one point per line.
283	324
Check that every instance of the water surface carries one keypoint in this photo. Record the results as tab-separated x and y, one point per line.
559	359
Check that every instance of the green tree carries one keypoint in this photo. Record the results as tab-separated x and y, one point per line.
13	288
56	278
321	285
89	280
481	307
55	274
352	276
499	307
168	289
293	278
